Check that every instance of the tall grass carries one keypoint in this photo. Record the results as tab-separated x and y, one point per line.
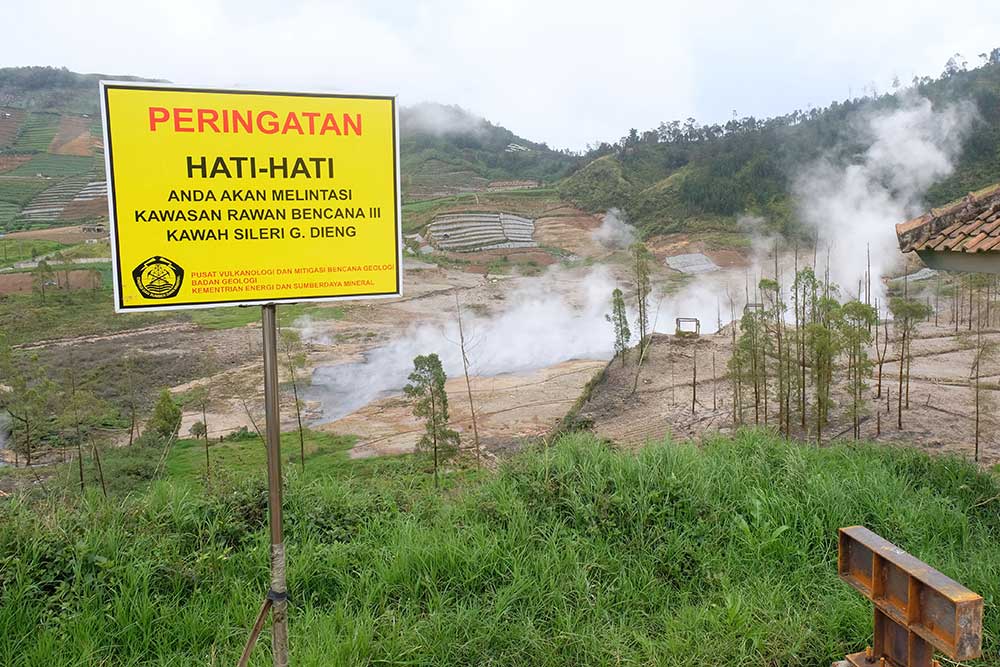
576	555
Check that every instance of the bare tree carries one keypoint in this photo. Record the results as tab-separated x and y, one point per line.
468	383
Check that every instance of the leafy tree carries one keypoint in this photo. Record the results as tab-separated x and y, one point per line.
166	420
825	344
857	321
426	387
198	429
28	399
907	313
619	318
641	258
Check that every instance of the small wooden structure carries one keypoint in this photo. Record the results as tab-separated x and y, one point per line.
917	609
681	332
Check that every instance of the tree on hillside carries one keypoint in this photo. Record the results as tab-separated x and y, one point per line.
985	351
747	359
825	343
165	422
42	278
198	397
857	320
619	318
131	396
907	313
468	383
641	282
28	399
804	287
426	387
82	413
295	359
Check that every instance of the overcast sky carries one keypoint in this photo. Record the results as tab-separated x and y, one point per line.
567	73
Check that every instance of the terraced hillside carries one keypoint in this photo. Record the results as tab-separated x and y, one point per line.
51	169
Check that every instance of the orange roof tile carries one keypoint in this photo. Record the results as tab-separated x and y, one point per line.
971	224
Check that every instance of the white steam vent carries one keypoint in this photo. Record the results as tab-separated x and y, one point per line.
471	232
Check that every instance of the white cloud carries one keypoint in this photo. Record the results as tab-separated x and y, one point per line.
566	73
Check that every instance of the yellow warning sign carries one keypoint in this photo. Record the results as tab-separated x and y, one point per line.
234	197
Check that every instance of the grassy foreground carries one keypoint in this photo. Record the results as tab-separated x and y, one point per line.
579	555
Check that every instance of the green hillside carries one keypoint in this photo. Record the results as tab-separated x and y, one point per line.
683	176
446	150
724	553
53	89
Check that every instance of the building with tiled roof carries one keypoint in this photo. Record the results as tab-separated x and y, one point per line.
961	236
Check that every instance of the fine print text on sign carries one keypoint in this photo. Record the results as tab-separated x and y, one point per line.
243	197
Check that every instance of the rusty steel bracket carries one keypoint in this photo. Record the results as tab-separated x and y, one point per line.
917	609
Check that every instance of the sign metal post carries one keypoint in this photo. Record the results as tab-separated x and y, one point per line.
278	594
245	198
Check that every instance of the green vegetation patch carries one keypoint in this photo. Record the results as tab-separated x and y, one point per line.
21	190
55	165
27	318
8	214
19	250
577	555
37	132
230	317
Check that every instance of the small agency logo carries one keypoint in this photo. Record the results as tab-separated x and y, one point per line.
158	278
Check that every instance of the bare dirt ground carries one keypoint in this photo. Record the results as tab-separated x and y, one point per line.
13	283
940	417
69	235
73	137
669	245
10	162
85	209
509	409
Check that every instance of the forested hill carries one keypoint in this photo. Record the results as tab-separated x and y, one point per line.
52	89
444	150
683	176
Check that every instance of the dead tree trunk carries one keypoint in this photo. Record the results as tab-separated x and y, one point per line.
694	376
468	383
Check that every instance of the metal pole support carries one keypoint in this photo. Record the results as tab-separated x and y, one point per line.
278	592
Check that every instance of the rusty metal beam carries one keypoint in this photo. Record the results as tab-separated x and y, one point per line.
917	608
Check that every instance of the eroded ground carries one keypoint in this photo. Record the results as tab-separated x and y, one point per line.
940	417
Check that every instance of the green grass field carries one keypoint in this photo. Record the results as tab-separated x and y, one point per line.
21	190
18	250
82	312
723	554
8	214
231	317
54	165
37	132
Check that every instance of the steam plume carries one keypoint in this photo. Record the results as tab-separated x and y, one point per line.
859	203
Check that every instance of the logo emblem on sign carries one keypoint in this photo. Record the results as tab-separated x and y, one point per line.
158	278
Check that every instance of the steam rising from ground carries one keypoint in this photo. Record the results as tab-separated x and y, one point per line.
547	323
561	316
859	203
614	232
